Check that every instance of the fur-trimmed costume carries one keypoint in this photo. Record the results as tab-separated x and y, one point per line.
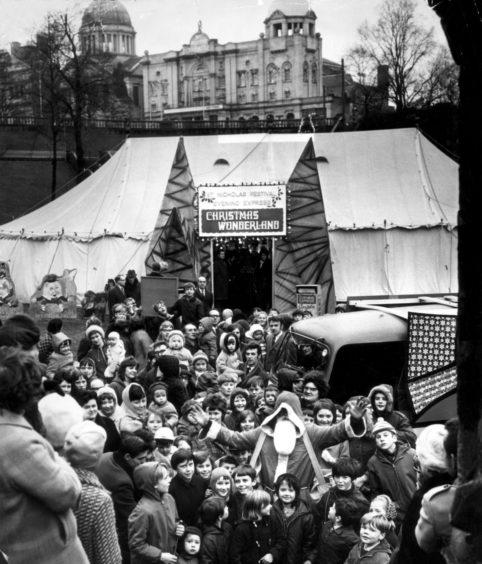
284	447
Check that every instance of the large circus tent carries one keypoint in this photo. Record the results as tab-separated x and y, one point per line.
371	213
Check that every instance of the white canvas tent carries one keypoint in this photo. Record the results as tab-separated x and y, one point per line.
390	199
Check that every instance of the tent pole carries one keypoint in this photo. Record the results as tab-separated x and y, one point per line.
273	272
211	254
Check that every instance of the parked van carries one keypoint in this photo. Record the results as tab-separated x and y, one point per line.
369	346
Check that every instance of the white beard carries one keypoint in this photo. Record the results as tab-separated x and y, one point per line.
284	440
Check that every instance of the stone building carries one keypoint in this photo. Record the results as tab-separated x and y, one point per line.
277	75
107	29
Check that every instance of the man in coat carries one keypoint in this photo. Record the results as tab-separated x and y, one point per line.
116	295
204	295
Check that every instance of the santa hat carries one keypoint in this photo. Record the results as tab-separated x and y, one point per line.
59	414
84	444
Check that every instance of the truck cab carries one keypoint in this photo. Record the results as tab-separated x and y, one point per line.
368	345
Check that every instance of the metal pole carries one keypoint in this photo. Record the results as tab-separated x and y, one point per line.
211	252
343	90
273	273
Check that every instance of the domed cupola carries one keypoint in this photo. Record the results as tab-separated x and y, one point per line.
290	17
107	28
200	40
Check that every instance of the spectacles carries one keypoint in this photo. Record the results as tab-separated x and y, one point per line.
310	389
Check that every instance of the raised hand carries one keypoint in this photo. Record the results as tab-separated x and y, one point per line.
200	416
359	409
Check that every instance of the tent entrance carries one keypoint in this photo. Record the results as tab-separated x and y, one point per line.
242	273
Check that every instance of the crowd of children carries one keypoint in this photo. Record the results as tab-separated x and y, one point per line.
175	456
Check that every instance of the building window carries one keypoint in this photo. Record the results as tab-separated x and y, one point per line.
287	72
241	79
314	73
277	30
135	95
306	69
312	29
271	73
254	96
254	77
164	84
272	95
287	94
221	81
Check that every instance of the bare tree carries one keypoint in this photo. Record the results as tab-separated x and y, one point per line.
416	66
79	83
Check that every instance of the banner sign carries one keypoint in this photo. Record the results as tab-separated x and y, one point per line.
241	210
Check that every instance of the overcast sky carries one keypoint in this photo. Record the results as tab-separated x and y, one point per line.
163	25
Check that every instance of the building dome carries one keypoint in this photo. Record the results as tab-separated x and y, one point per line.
199	40
106	12
290	8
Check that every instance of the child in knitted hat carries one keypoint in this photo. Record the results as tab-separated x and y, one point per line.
190	546
62	355
159	404
202	377
221	483
115	354
175	347
391	469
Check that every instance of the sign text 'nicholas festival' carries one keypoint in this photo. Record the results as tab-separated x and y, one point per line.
233	211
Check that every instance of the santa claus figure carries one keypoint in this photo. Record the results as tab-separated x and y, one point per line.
284	442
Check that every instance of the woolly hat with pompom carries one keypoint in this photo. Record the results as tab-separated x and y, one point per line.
382	425
84	444
199	355
59	414
430	449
